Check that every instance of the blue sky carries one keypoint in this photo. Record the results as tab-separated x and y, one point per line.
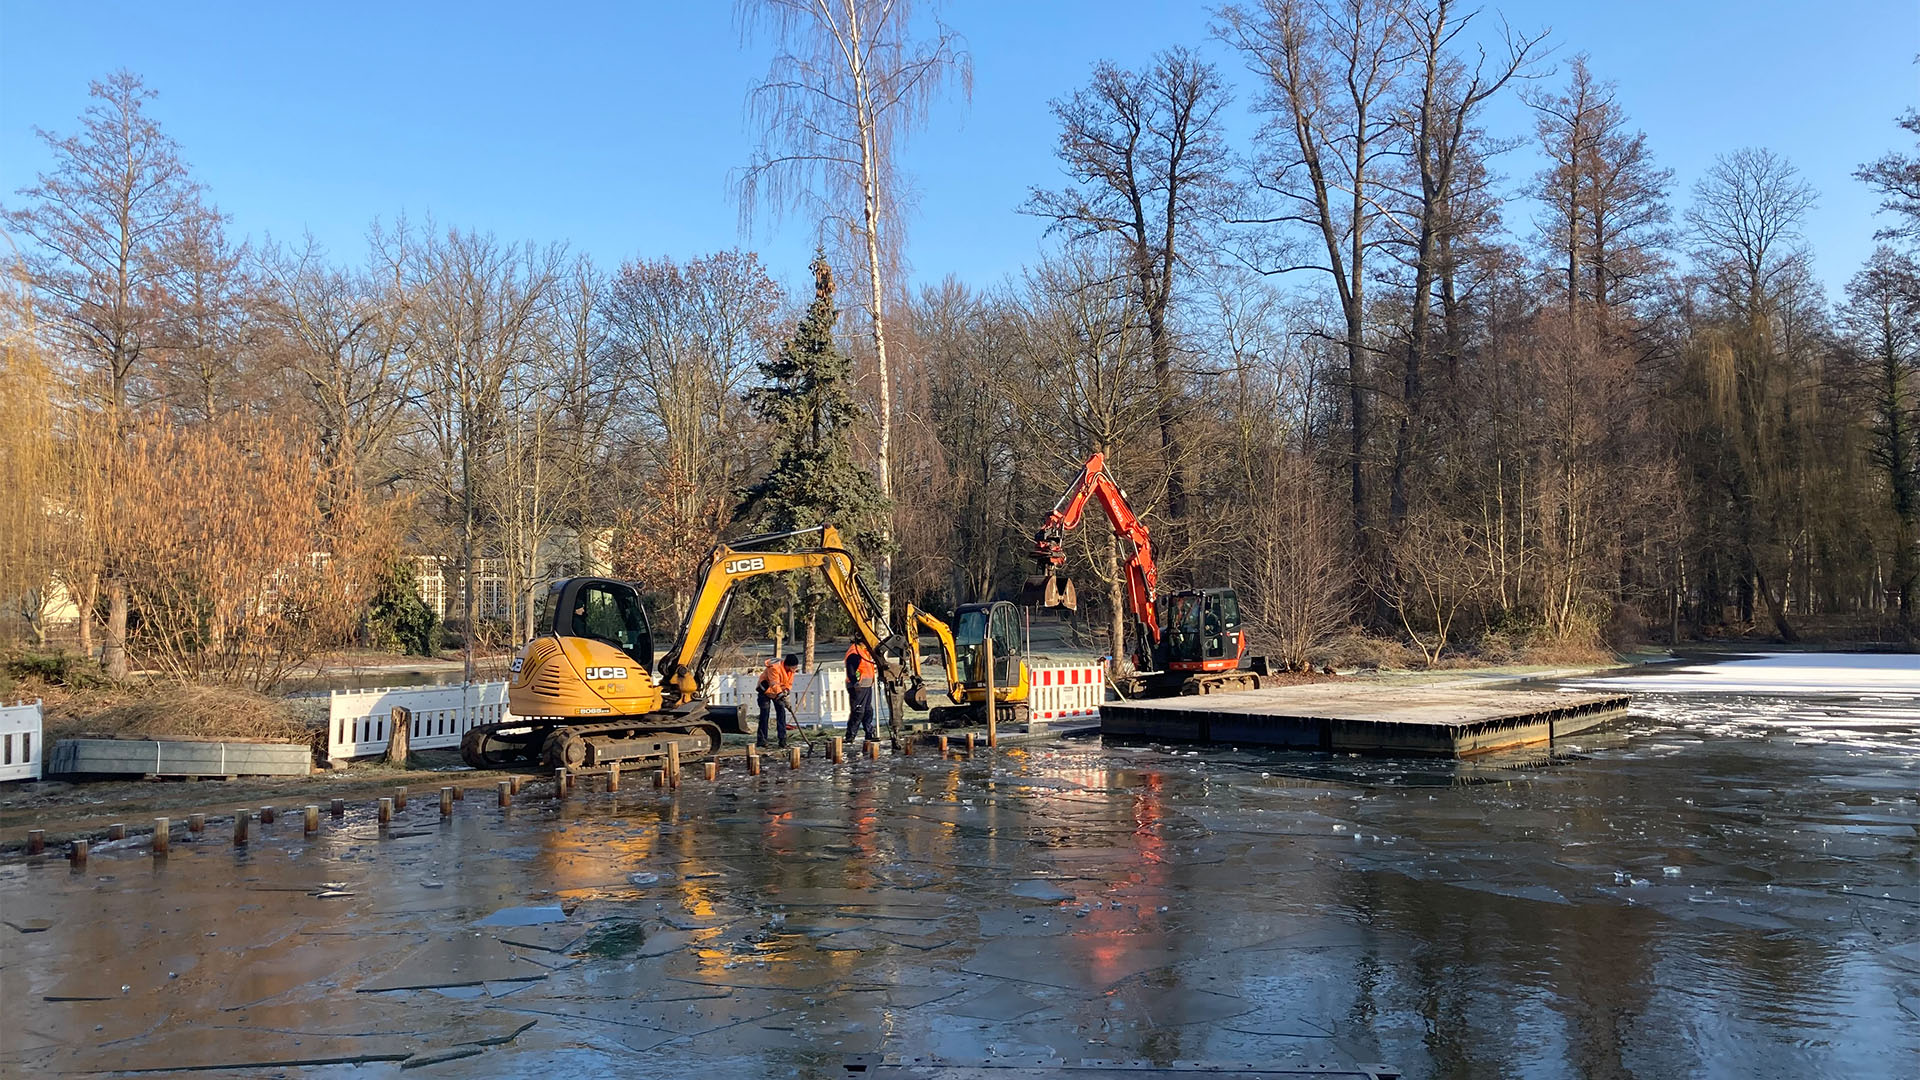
614	126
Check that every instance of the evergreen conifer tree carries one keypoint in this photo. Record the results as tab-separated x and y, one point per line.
808	398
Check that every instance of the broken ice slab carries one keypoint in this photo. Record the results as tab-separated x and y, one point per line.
461	960
1003	1002
1041	890
525	916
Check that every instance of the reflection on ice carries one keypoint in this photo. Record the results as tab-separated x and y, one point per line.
1724	885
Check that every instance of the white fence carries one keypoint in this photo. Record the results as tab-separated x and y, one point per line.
1067	692
22	743
819	697
359	721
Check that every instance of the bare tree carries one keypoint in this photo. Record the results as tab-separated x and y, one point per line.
1607	208
1896	176
103	225
476	317
1882	320
687	340
1147	155
848	83
1438	125
340	337
31	467
1329	73
1746	217
212	332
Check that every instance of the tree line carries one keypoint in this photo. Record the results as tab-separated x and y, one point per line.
1346	365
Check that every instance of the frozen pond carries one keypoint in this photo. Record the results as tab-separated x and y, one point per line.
1725	885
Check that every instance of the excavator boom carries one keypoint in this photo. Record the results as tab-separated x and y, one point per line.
1051	588
683	669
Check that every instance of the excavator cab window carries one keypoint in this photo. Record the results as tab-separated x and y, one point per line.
611	611
974	623
1185	621
1203	625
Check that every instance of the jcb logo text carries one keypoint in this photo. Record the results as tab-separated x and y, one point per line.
746	566
606	673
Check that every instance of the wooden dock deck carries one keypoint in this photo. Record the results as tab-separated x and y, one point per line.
1353	717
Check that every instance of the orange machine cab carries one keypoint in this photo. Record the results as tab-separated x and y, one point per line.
591	655
1203	630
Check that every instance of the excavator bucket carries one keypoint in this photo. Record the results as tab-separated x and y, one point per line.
1049	590
917	696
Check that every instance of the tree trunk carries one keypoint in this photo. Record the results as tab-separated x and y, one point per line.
114	656
1116	605
1775	608
806	658
870	190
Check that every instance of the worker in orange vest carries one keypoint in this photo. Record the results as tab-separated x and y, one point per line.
860	676
776	683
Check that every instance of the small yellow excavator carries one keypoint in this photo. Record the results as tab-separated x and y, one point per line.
586	689
963	650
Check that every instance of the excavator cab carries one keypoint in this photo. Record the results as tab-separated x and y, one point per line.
598	609
973	623
1203	630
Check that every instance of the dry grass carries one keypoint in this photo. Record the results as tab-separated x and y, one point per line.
196	712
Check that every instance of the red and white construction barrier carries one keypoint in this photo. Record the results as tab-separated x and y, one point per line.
1067	692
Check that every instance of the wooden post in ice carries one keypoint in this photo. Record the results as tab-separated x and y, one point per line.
993	709
401	724
160	837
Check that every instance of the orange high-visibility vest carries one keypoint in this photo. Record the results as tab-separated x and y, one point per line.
777	679
860	669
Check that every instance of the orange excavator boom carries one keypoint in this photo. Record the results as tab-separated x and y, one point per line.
1052	588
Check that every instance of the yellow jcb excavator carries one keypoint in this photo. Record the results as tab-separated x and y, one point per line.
586	690
962	650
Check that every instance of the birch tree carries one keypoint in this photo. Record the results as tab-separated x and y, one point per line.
848	82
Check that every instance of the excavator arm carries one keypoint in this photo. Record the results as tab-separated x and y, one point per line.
683	669
917	621
1052	589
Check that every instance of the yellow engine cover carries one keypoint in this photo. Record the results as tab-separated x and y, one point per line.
579	677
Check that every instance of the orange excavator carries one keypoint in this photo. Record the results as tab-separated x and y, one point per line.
1199	647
